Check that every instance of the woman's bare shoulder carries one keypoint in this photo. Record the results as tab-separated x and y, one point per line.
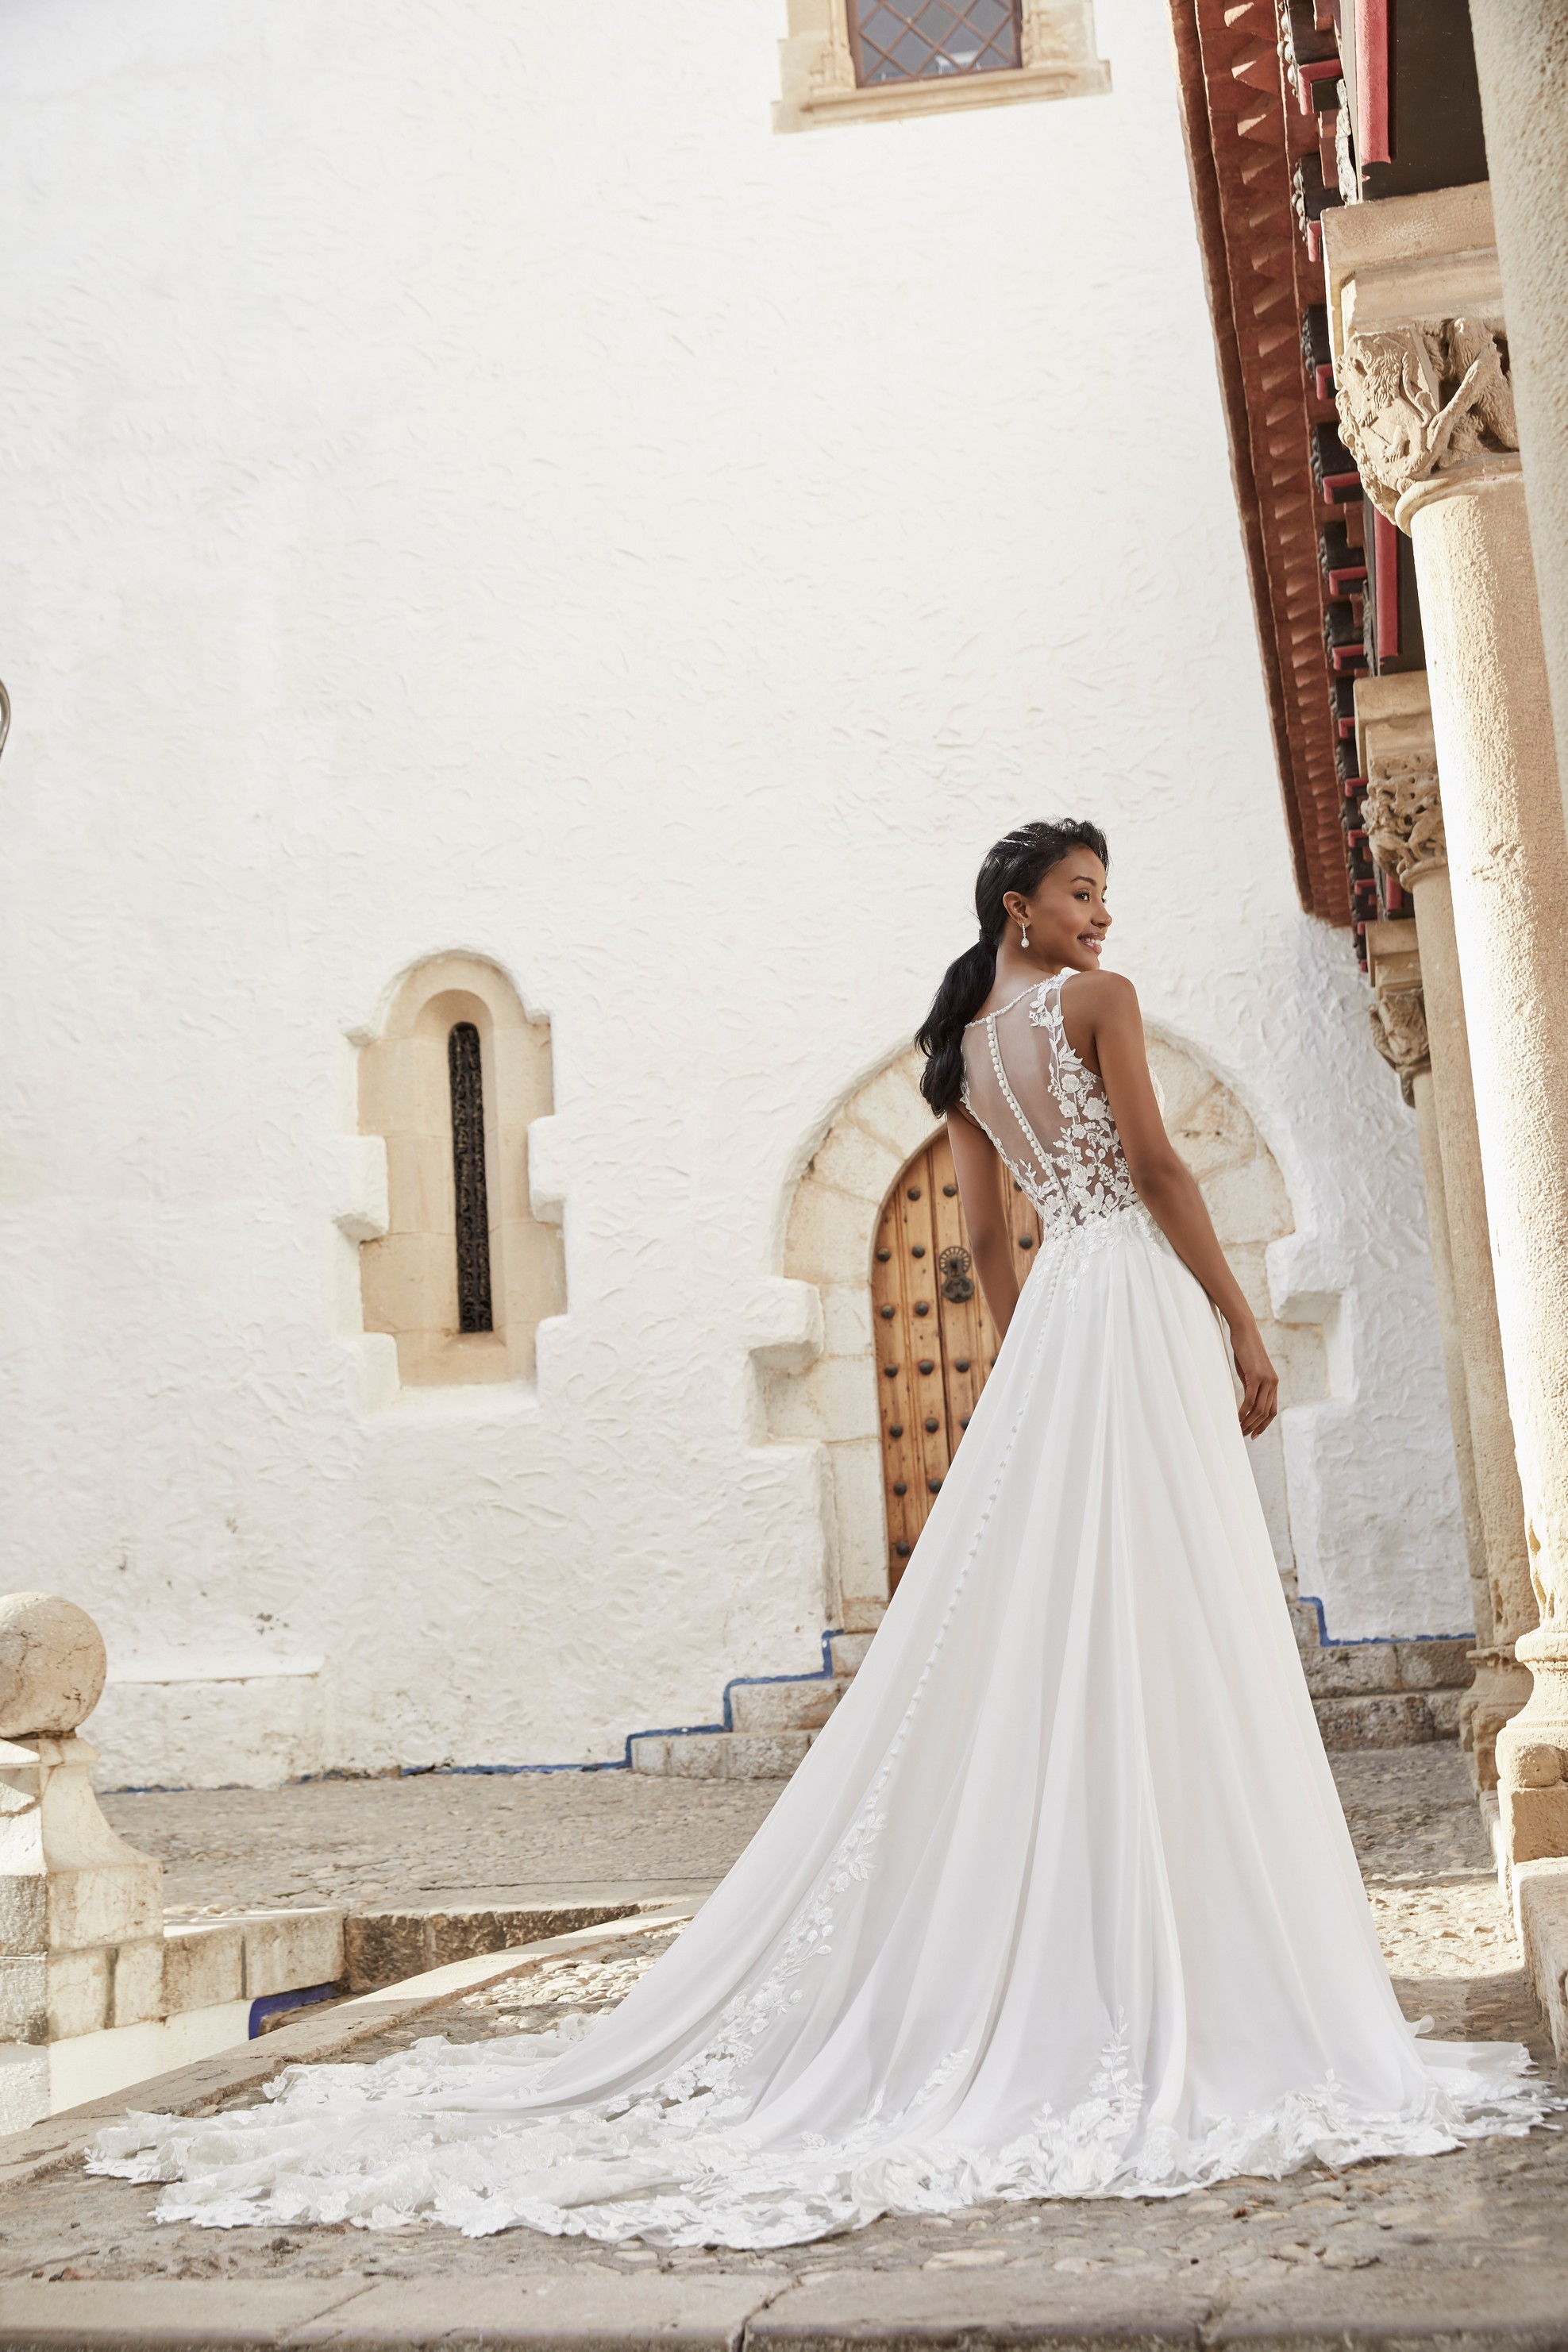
1103	996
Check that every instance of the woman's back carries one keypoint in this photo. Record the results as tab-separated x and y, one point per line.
1044	1109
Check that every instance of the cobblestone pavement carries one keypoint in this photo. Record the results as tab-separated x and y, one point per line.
1493	2207
432	1837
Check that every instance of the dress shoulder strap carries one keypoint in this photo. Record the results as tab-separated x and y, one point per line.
1037	989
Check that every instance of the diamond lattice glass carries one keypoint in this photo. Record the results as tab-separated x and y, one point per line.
927	40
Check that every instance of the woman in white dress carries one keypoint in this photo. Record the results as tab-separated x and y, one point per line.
1062	1902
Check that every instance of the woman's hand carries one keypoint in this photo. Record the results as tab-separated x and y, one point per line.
1260	1380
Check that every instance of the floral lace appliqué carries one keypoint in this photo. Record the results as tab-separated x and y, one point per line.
1082	1173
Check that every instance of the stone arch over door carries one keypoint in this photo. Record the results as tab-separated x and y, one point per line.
830	1241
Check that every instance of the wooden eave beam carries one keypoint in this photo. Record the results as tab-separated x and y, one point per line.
1240	136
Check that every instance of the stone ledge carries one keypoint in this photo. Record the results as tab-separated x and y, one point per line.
1026	2304
1525	2310
395	1941
720	1755
595	2308
1541	1921
198	2089
285	1951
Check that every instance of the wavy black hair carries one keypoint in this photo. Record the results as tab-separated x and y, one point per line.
1020	861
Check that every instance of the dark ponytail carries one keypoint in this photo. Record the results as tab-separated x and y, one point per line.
1020	861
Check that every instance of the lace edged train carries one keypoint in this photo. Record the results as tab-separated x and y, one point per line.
1053	1616
407	2142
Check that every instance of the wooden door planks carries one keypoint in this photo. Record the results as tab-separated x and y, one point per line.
924	1412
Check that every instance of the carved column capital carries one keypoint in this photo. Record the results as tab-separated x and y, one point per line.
1420	401
1403	813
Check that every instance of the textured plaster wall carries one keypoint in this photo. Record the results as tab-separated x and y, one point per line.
469	487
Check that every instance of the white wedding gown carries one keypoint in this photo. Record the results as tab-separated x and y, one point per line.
1062	1902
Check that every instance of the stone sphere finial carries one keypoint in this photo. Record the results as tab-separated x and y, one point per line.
52	1666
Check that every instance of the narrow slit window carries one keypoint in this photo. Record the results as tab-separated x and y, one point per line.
928	40
470	1197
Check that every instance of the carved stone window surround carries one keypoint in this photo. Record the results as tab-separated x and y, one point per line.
409	1271
817	73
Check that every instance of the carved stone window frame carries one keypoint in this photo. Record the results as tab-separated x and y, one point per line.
409	1279
817	76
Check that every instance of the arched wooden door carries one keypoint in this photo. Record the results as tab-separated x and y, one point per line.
936	1342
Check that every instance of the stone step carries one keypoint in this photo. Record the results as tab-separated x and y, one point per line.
1389	1718
802	1706
720	1755
849	1652
1365	1695
1381	1693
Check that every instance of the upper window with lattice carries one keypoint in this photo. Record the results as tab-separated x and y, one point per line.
852	60
919	41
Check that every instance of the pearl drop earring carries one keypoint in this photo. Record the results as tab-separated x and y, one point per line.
1023	934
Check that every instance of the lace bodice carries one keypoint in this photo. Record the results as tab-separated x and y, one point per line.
1045	1110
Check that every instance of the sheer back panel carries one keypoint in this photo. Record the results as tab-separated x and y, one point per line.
1045	1110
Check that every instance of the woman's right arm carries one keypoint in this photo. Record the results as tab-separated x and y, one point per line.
980	1174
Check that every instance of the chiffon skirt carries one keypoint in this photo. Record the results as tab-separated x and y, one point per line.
1061	1903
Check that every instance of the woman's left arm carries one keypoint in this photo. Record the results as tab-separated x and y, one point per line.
1167	1187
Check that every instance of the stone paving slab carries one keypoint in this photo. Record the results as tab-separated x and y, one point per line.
190	2313
583	2314
1525	2312
892	2310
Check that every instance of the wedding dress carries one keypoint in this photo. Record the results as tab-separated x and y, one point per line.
1062	1902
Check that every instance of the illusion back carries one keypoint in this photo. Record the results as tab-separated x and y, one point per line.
1045	1110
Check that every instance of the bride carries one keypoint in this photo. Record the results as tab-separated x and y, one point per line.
1062	1902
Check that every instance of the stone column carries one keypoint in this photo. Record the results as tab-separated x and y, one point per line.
1522	60
1399	1034
1404	818
1423	1103
1415	305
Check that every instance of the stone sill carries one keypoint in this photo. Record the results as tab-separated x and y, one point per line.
963	93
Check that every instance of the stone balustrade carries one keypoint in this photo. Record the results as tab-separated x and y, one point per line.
95	1990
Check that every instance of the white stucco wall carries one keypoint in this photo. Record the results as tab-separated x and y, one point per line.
468	485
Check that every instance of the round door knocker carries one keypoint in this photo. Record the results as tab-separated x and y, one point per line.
957	1283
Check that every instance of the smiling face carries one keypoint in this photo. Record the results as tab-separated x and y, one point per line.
1066	915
